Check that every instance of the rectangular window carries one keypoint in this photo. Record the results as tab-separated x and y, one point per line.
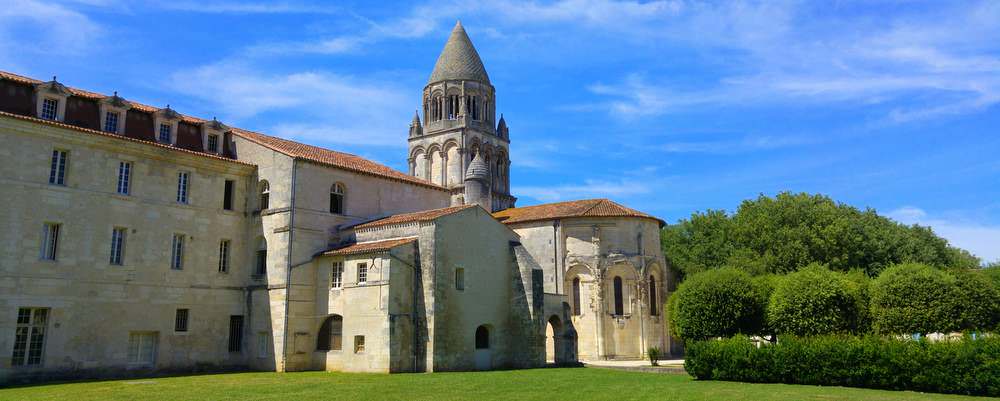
337	275
124	177
57	174
181	320
29	337
362	273
111	122
50	109
227	195
224	256
164	136
235	333
262	344
142	348
50	241
359	344
460	279
118	246
260	269
213	143
182	186
177	252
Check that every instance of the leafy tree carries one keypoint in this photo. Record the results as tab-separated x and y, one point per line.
914	298
716	303
784	233
814	301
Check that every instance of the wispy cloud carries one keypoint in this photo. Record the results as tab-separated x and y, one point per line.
588	189
750	143
340	109
244	7
785	54
39	27
980	239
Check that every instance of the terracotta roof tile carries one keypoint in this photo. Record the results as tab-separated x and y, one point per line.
577	208
328	157
120	137
313	153
425	215
368	247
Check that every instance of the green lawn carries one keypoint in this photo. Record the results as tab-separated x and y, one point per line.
536	384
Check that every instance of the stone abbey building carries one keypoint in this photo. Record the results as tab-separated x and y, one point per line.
136	238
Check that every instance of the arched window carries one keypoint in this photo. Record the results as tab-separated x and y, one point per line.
652	297
265	195
337	192
482	338
619	304
576	296
330	335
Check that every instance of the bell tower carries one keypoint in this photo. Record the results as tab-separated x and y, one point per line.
459	124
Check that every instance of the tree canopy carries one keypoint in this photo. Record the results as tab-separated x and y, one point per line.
787	232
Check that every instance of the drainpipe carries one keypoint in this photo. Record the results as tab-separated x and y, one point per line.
288	274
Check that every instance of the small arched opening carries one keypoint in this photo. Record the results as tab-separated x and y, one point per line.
483	356
330	337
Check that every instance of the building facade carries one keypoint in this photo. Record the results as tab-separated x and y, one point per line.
140	240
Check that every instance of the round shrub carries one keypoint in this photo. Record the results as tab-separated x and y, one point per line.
812	301
913	298
976	301
717	303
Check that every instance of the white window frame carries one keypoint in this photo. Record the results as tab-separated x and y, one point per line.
59	165
208	144
177	252
118	238
111	121
225	247
142	347
337	275
362	269
30	332
49	109
170	133
124	178
183	187
50	241
169	117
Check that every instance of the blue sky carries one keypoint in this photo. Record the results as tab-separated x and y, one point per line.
667	106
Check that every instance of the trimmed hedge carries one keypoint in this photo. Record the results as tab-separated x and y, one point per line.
914	298
814	301
961	366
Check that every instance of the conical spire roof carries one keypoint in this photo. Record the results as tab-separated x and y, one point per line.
459	60
478	170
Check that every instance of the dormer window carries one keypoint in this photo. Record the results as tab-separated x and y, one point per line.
50	108
113	109
111	122
50	101
166	120
213	143
211	135
164	135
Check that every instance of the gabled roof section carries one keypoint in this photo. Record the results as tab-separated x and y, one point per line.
577	208
459	60
332	158
421	216
368	247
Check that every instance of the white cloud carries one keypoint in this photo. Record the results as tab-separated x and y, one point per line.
980	239
40	27
588	189
245	7
339	109
745	144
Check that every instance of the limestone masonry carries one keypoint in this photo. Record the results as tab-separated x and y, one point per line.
138	240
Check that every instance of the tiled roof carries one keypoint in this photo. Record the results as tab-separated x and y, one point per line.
577	208
459	60
328	157
368	247
120	137
425	215
313	153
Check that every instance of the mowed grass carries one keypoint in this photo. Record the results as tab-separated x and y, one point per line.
534	384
